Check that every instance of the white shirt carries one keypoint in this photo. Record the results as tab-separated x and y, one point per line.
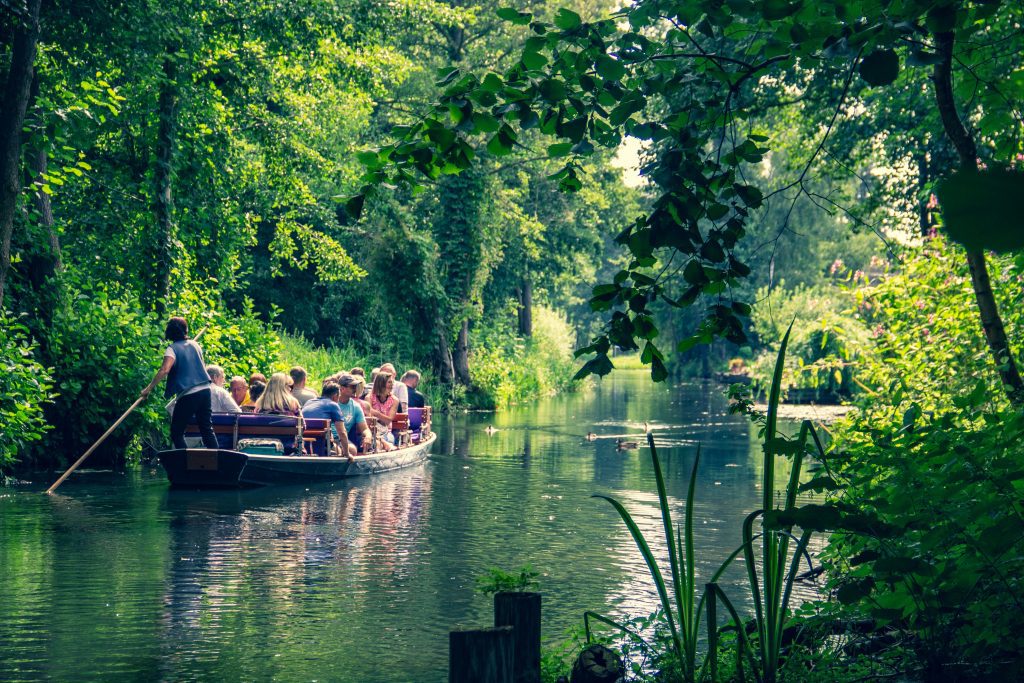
401	392
221	401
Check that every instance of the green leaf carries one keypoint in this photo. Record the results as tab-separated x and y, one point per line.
574	129
982	209
534	60
567	20
447	78
609	68
659	373
880	67
492	82
515	16
559	149
750	195
694	272
780	9
600	365
485	123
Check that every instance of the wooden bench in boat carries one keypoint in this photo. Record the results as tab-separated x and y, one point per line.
230	428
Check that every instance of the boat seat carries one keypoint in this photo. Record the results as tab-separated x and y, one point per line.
400	427
230	427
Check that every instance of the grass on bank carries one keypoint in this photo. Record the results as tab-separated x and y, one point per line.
506	369
629	362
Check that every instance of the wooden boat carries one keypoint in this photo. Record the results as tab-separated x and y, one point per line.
245	460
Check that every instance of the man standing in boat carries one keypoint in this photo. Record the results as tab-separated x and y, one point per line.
187	381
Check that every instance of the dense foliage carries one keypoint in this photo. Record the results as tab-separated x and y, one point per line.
189	158
24	390
432	184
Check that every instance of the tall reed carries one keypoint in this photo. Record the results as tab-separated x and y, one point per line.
770	591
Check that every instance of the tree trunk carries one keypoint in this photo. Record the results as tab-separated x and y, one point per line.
525	297
443	356
53	261
923	213
991	322
460	357
46	262
167	104
12	117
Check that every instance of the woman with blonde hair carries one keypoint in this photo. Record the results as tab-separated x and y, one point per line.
359	390
276	398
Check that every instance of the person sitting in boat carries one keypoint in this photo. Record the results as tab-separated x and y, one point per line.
255	377
301	393
398	389
221	400
239	389
383	405
255	391
188	381
326	407
352	412
276	399
411	379
357	394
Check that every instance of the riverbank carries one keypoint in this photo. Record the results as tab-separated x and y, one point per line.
819	414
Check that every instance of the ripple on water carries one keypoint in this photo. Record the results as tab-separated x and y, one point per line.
120	579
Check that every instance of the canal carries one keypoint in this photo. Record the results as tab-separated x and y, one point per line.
119	578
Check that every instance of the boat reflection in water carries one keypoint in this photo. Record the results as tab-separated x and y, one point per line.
322	558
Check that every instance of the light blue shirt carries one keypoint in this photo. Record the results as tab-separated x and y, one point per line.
351	414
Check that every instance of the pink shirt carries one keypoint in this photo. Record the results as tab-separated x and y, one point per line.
382	407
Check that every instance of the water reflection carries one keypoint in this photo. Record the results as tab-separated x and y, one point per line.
121	578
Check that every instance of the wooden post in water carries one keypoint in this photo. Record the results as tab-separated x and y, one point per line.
480	656
521	611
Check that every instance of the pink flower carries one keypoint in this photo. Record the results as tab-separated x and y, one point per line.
919	304
878	332
933	202
836	266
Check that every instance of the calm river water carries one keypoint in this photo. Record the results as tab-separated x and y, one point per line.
120	578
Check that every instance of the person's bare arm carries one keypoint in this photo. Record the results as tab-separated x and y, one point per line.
165	369
339	426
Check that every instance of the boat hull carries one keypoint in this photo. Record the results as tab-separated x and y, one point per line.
223	468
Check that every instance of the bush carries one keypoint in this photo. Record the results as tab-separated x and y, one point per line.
507	369
934	452
925	330
826	340
104	348
25	387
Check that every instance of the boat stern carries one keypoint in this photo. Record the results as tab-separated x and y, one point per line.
203	467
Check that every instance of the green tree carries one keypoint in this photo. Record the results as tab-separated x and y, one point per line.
590	83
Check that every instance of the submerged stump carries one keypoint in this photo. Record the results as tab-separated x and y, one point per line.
522	612
598	664
480	655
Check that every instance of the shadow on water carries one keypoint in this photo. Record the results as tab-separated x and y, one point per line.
120	578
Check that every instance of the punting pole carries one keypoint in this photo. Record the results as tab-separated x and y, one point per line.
107	433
